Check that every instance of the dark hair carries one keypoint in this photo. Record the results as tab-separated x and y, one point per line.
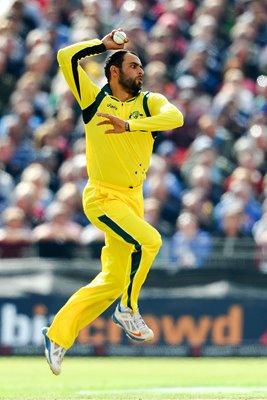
115	59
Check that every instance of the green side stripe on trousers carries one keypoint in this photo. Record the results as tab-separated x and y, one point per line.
136	258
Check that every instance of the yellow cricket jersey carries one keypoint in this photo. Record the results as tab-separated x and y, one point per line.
117	159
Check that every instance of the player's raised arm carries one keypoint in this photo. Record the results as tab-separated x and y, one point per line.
69	60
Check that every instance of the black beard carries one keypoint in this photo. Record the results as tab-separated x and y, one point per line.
129	84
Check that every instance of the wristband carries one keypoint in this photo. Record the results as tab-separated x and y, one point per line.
127	126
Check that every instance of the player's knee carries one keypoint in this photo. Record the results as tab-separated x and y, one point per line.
156	241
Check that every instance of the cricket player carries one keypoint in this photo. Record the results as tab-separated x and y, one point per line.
120	121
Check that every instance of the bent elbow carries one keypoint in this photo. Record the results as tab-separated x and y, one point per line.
59	56
179	119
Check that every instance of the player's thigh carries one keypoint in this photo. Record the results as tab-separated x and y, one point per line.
117	219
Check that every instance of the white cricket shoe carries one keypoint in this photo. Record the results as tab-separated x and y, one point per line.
53	353
133	324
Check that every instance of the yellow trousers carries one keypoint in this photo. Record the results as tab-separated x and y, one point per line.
131	245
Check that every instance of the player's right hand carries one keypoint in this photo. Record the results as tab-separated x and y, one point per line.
109	42
118	124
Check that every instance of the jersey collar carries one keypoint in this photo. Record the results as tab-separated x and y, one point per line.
108	91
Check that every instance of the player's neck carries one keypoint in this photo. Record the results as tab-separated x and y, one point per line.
120	93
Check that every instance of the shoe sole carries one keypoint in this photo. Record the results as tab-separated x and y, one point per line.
46	352
117	322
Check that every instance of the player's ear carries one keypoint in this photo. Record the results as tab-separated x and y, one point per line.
114	71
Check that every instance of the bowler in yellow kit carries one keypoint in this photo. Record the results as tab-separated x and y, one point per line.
120	121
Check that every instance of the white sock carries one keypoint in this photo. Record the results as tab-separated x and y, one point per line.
123	308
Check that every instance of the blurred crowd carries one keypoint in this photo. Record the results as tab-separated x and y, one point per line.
206	189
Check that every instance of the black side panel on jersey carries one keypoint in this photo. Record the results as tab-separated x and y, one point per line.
145	105
146	109
88	51
90	111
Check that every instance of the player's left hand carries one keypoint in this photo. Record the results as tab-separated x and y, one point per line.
117	123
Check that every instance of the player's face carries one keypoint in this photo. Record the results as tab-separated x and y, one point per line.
131	74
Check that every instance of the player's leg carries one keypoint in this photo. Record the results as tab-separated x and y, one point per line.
87	303
120	213
146	242
90	301
124	219
135	239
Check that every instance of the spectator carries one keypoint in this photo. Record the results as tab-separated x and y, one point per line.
258	136
259	232
264	189
201	60
236	99
240	191
249	155
233	246
252	207
221	138
70	195
39	61
15	236
243	51
260	99
188	101
47	136
7	185
196	201
157	76
169	152
22	152
202	169
25	197
164	186
66	126
93	239
39	176
244	175
190	246
7	83
59	236
29	89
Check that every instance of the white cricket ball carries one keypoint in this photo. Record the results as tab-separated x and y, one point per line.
119	37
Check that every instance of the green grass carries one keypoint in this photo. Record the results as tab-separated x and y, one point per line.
134	379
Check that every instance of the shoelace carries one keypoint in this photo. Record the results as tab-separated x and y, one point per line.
59	352
62	354
140	323
137	319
